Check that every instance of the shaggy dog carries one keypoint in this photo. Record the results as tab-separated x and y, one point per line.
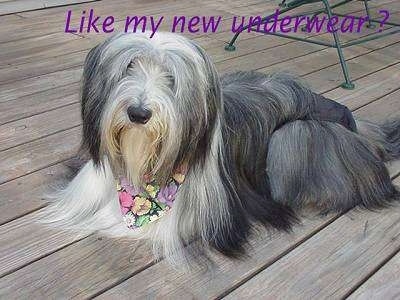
256	149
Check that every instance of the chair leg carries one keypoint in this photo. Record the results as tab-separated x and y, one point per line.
370	24
231	46
347	84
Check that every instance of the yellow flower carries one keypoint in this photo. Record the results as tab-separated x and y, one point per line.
152	190
141	206
179	177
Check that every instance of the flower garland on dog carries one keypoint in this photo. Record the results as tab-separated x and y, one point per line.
141	206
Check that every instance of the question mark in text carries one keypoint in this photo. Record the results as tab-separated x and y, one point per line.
385	15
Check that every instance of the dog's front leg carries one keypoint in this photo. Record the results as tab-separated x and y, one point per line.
88	202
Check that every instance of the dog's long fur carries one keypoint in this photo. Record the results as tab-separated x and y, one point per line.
253	156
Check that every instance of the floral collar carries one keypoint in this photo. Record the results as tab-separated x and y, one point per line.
143	205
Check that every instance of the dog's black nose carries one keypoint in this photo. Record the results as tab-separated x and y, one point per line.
138	114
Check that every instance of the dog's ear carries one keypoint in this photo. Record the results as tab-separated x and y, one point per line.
213	101
91	120
89	71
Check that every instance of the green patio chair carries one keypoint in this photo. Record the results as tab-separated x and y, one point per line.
287	5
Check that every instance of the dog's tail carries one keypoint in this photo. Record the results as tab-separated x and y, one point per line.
386	137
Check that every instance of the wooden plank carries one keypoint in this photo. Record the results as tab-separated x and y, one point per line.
14	90
331	77
47	65
384	284
42	48
278	284
30	105
95	255
116	261
305	56
26	194
15	6
369	88
248	45
38	154
374	112
330	263
24	241
32	128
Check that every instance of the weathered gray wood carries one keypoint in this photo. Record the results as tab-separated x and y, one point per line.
15	6
374	112
26	194
38	154
29	105
13	73
330	78
384	284
21	50
333	261
14	90
28	129
116	262
23	241
38	51
97	261
369	88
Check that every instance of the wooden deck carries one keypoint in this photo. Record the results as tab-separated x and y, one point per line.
354	255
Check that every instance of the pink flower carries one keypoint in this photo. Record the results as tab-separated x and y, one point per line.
125	201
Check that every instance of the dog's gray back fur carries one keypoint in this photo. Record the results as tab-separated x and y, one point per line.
272	141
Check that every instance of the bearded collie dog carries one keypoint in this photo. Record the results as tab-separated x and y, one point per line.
193	161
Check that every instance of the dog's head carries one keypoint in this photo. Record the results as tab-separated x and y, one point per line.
149	105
